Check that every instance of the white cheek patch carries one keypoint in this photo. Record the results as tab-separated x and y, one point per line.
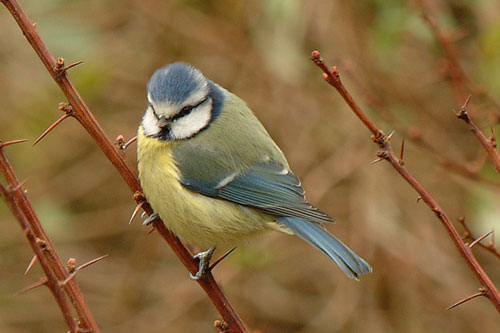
194	122
150	123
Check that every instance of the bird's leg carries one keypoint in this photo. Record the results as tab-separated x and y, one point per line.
150	219
203	263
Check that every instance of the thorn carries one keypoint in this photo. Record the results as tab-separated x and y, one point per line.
482	292
13	142
467	100
151	231
480	239
402	149
51	127
72	65
42	282
462	114
91	262
418	199
214	264
136	210
69	278
389	137
378	159
81	267
143	214
31	264
20	185
129	142
34	25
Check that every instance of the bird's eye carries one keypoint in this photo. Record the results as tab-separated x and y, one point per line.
186	110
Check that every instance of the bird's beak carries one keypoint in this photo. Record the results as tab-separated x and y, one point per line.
163	122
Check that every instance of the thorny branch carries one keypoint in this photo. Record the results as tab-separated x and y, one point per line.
80	111
489	145
455	72
470	170
386	153
45	251
458	78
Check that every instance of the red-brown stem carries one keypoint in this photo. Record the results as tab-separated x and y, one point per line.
387	153
469	171
458	78
45	251
83	114
454	69
489	145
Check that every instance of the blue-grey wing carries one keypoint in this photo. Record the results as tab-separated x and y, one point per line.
266	186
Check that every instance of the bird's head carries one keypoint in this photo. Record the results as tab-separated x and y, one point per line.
181	102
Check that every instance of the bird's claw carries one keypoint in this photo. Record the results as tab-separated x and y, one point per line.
150	219
203	263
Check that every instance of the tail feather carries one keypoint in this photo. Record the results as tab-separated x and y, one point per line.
314	233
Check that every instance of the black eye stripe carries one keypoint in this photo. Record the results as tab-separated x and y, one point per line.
187	109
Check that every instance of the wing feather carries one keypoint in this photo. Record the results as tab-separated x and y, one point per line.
267	186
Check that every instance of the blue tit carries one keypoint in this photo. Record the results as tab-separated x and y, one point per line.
213	174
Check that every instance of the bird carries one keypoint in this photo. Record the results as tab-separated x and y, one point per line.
213	174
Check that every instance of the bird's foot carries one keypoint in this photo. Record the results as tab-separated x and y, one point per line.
150	219
203	263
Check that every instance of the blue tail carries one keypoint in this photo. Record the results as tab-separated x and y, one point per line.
316	235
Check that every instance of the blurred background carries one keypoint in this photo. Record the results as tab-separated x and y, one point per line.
390	61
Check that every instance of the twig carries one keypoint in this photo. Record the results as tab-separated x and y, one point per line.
44	250
469	236
386	152
470	170
458	78
82	113
489	145
74	270
481	292
453	68
476	241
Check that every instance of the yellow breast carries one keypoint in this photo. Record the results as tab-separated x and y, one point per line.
193	217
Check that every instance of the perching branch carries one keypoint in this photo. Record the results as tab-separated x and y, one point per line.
80	111
386	153
45	252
